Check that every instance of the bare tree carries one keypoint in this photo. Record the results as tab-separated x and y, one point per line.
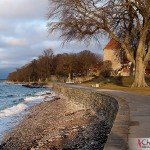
126	21
87	59
61	65
45	64
65	64
106	69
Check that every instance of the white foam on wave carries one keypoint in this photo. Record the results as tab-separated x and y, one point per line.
35	98
41	96
10	117
43	93
13	110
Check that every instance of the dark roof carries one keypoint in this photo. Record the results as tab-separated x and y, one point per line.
113	45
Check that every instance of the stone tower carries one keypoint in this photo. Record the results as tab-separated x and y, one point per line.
114	54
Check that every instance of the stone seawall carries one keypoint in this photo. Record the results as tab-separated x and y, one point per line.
99	102
115	111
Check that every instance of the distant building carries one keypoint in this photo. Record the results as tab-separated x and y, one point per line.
120	65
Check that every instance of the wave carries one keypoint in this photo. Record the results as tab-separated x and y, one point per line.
15	102
13	110
11	117
43	93
35	98
40	96
11	95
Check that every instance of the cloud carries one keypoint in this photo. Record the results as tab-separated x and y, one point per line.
15	42
23	9
24	35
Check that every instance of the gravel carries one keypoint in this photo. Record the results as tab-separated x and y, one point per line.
58	125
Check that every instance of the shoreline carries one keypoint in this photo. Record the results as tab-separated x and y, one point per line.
58	124
16	102
32	84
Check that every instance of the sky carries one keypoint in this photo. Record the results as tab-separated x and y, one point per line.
24	34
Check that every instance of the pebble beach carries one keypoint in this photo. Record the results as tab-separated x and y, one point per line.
58	125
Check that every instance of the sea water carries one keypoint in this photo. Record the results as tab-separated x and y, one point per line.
15	101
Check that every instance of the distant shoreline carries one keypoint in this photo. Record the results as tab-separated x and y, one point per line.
32	84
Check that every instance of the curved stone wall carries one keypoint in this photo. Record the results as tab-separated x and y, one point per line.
99	102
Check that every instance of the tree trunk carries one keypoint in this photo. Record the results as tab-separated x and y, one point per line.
139	80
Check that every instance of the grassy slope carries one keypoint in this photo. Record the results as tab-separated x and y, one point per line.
115	84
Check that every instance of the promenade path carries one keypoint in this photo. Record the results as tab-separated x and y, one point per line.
138	124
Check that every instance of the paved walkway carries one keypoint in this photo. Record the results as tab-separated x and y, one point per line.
138	122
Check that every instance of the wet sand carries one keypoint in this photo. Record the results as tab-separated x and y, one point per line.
58	125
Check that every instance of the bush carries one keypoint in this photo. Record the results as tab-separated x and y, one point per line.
127	81
106	69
